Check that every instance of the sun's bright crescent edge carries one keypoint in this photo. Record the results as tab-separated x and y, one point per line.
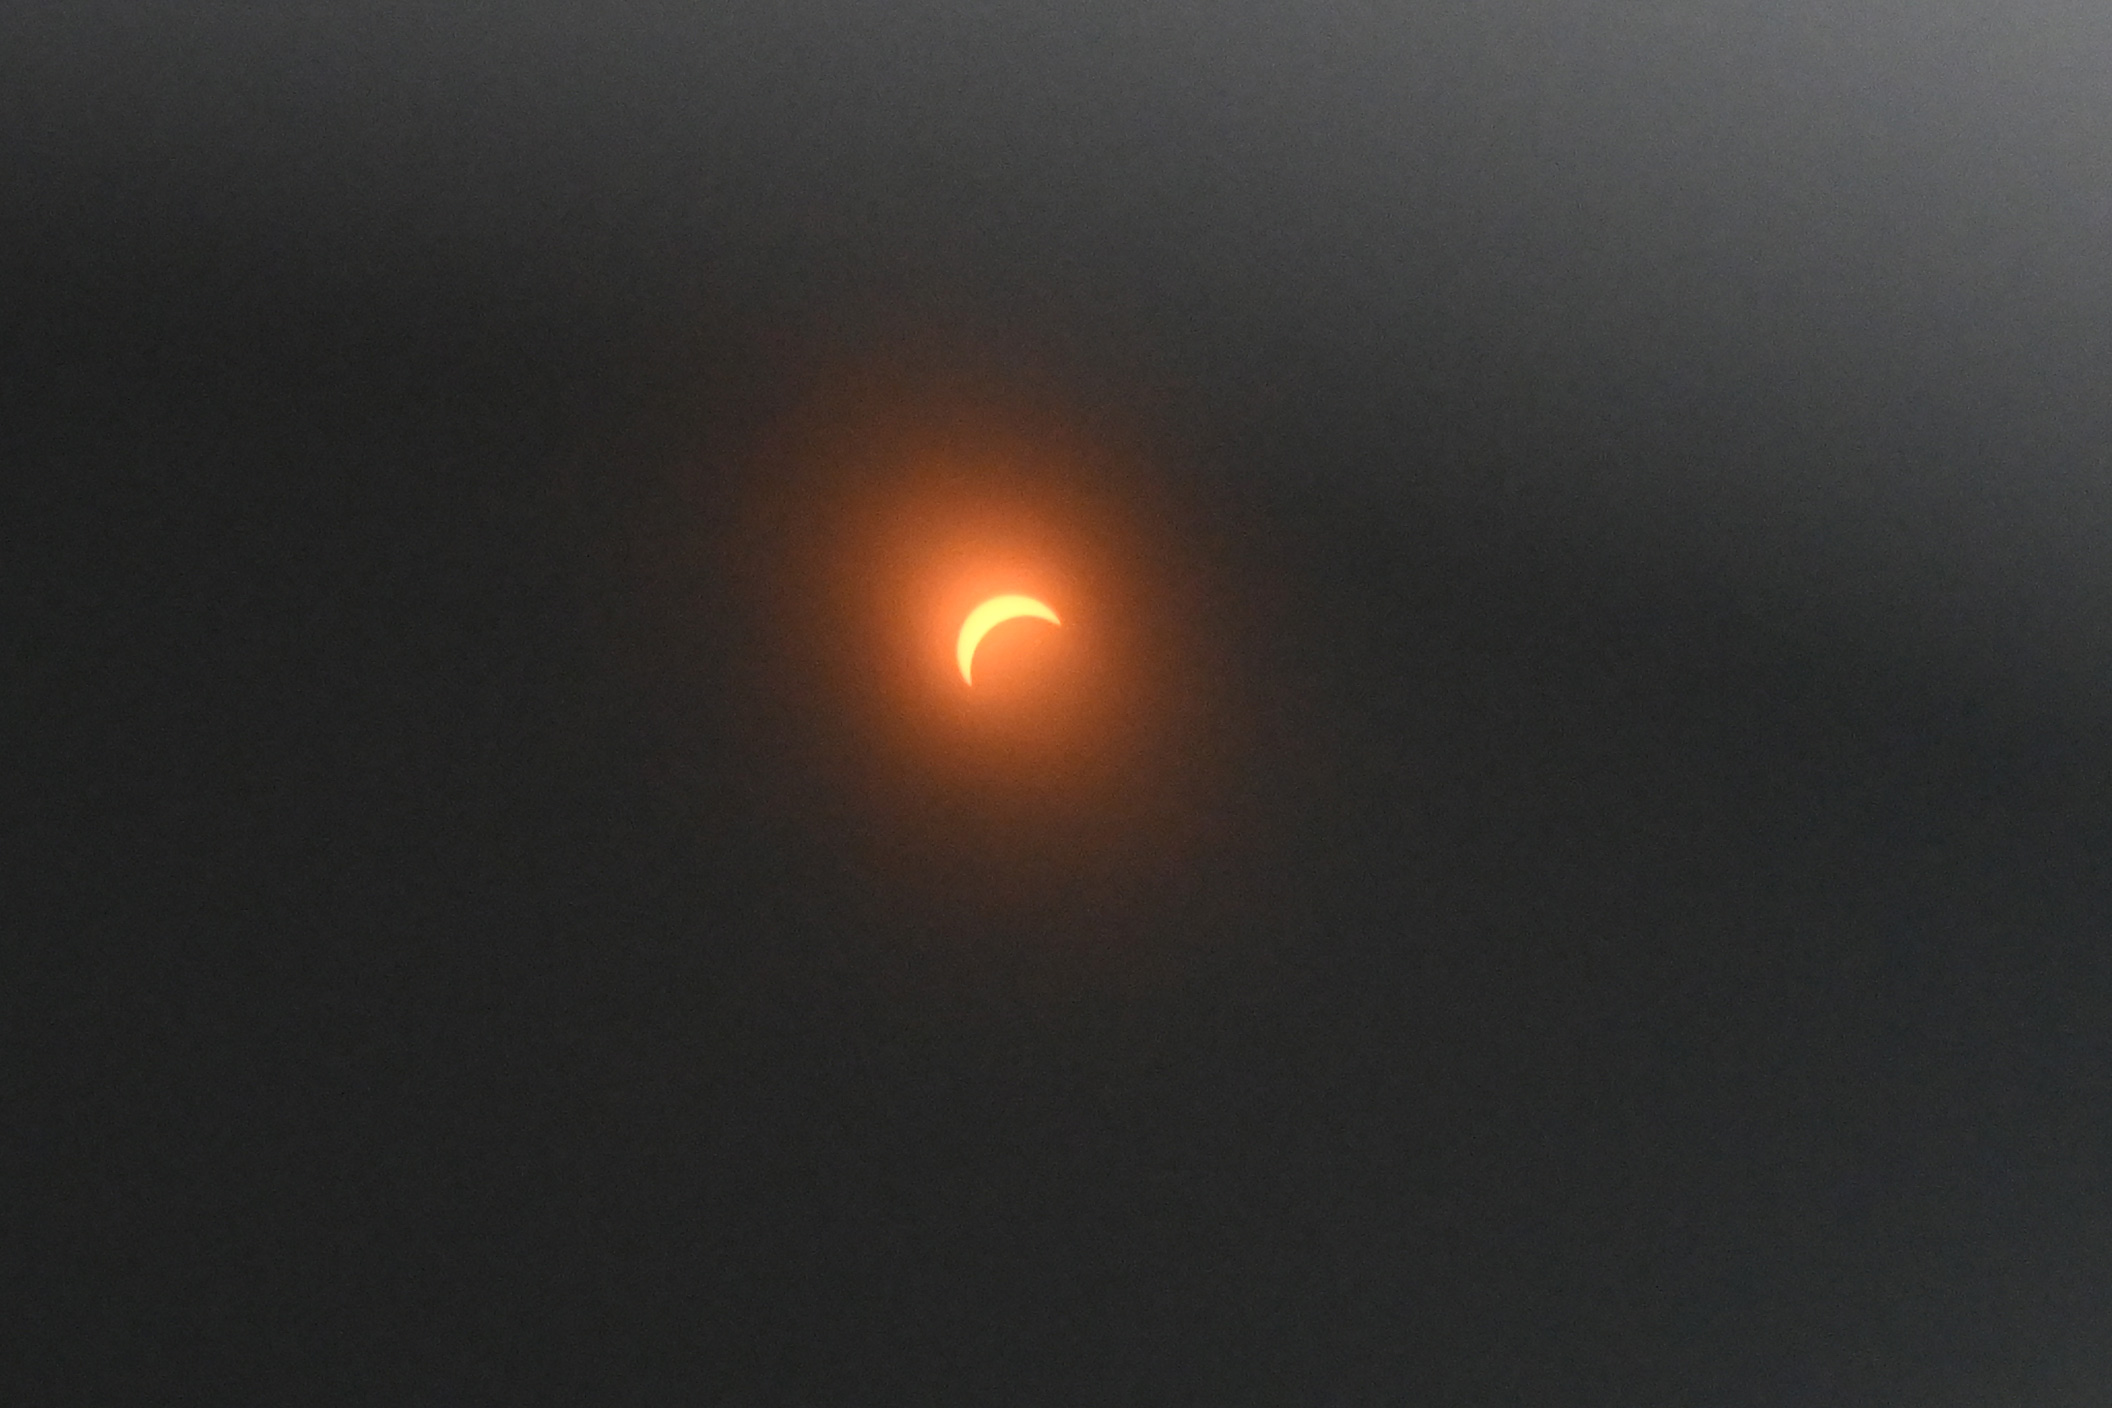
990	614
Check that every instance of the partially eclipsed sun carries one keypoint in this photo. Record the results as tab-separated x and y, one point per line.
995	611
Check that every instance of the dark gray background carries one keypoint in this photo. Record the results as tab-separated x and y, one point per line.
1641	474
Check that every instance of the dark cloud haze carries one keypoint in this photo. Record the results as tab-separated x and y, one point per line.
1785	285
1600	514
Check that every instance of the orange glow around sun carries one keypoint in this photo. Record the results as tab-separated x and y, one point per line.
958	634
959	628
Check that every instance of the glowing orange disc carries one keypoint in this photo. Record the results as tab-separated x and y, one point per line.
992	613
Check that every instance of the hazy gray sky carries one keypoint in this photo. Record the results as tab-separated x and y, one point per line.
1554	870
1818	293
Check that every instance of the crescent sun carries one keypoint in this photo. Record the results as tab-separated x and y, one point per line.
995	611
